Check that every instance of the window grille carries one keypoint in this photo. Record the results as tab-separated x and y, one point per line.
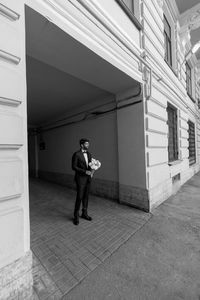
188	79
191	140
172	133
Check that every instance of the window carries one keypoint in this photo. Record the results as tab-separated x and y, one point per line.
192	150
132	10
129	4
188	79
172	133
168	42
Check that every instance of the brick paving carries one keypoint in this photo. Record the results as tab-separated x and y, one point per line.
64	254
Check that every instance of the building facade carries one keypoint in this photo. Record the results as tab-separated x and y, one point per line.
119	72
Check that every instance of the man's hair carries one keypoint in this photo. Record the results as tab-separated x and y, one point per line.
82	141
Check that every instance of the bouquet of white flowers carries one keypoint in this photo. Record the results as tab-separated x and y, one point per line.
94	165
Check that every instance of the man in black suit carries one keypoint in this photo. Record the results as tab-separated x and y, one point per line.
80	164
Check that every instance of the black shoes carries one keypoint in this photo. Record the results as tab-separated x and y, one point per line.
83	216
76	221
86	217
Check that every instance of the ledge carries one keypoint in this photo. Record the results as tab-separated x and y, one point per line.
193	100
6	198
175	167
171	68
130	14
10	146
9	57
174	163
9	102
7	12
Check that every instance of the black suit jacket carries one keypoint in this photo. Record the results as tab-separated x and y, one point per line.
80	167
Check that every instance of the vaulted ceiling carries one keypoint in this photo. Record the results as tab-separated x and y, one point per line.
190	19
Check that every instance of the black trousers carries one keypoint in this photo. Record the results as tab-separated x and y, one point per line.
82	197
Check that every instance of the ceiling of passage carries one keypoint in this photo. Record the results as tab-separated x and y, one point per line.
63	74
190	9
52	92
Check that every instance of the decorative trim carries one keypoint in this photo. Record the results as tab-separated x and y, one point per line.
156	131
155	116
158	103
130	14
157	164
10	146
9	102
7	12
10	57
9	197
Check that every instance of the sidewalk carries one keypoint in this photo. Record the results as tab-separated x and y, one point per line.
123	254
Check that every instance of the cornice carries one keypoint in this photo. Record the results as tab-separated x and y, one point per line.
191	18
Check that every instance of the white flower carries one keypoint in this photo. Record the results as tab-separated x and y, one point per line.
95	164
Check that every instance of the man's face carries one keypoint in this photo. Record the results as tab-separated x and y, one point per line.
85	146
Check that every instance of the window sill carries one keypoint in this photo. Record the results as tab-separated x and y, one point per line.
171	68
193	100
175	167
129	13
175	162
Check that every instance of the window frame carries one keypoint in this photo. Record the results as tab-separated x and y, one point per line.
168	42
191	143
188	72
174	137
130	14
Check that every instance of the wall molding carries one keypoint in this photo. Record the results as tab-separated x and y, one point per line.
9	57
151	166
10	146
7	198
157	102
156	116
9	102
7	12
156	131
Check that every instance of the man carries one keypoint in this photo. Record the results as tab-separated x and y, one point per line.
80	164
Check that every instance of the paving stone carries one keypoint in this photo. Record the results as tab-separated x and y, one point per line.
64	254
56	296
66	285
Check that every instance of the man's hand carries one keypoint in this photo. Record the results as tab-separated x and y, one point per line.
88	173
